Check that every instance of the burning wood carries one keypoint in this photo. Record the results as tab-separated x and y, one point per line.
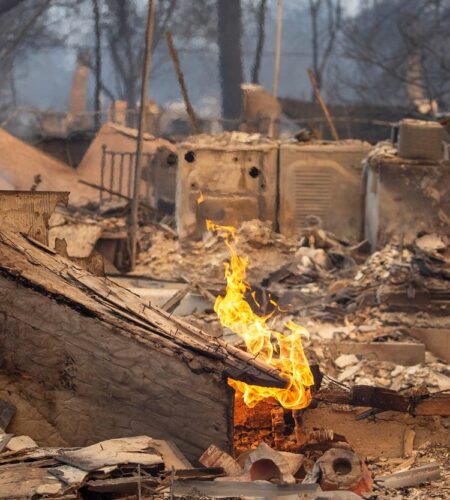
287	355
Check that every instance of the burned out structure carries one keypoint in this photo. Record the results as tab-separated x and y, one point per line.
320	184
97	361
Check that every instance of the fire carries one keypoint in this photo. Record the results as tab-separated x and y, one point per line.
282	351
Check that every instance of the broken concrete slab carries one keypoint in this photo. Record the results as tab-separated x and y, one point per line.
437	340
402	353
346	360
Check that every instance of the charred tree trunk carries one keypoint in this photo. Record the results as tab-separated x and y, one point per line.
260	44
230	60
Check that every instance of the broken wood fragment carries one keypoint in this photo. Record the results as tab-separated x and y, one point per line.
215	457
412	477
174	301
408	443
324	107
122	485
29	212
180	77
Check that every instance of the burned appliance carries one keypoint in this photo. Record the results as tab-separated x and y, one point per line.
404	197
228	178
320	184
237	177
421	140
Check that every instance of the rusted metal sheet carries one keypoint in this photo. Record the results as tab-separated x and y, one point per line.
28	212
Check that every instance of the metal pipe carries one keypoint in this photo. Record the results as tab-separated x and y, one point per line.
102	172
111	178
130	174
122	158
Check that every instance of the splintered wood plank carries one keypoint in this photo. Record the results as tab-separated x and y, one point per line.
119	451
111	364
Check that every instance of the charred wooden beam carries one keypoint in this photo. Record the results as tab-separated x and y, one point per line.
388	400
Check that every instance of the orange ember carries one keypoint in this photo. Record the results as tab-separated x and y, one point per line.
282	351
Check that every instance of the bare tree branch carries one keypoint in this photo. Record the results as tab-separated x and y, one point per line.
7	5
24	31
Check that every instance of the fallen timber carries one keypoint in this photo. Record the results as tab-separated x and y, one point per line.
388	400
109	364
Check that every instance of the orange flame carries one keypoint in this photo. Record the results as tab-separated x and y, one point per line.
200	198
282	351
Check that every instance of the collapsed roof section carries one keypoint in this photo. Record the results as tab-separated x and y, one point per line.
108	363
38	267
23	167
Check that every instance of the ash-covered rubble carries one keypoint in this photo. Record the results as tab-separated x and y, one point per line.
367	315
375	323
164	256
340	293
